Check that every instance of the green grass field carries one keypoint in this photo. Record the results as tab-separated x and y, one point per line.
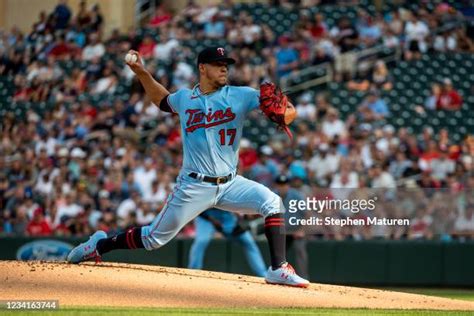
174	311
463	294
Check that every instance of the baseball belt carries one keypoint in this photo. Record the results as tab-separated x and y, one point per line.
213	180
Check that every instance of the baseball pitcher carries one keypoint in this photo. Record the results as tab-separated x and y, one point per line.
211	118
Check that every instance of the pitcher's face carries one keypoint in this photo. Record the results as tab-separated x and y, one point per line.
215	72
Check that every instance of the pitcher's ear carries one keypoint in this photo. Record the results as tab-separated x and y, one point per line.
201	67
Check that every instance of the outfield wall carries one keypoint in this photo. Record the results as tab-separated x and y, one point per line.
381	263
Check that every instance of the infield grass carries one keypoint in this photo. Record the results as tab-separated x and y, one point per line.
228	311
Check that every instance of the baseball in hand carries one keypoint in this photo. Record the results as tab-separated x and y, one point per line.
131	58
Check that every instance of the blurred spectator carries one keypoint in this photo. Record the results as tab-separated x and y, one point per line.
97	18
464	41
19	222
191	10
432	100
430	153
128	206
416	33
395	23
16	199
329	47
42	24
266	169
107	84
62	14
38	226
214	28
344	182
165	48
373	108
67	208
144	175
420	225
286	58
157	193
426	181
380	79
183	75
321	56
94	49
250	31
449	98
161	17
76	37
442	166
305	109
147	111
333	126
386	141
235	35
381	178
445	42
347	39
61	49
390	39
83	18
464	224
399	165
319	28
147	47
322	106
370	31
145	214
324	164
445	144
247	155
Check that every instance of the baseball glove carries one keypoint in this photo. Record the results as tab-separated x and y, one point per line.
274	105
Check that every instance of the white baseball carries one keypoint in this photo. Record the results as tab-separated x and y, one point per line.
131	58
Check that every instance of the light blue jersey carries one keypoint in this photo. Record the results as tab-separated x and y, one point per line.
211	127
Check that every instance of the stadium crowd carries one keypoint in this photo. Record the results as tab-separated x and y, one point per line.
104	157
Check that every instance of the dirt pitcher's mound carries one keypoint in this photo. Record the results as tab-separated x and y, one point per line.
112	284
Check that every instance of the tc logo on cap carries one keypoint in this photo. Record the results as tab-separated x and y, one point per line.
220	50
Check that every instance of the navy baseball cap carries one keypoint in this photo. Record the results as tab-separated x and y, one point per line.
214	54
282	179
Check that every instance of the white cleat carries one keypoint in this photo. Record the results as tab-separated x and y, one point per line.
285	275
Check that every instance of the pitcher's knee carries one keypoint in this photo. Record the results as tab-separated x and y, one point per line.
274	205
153	240
152	243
